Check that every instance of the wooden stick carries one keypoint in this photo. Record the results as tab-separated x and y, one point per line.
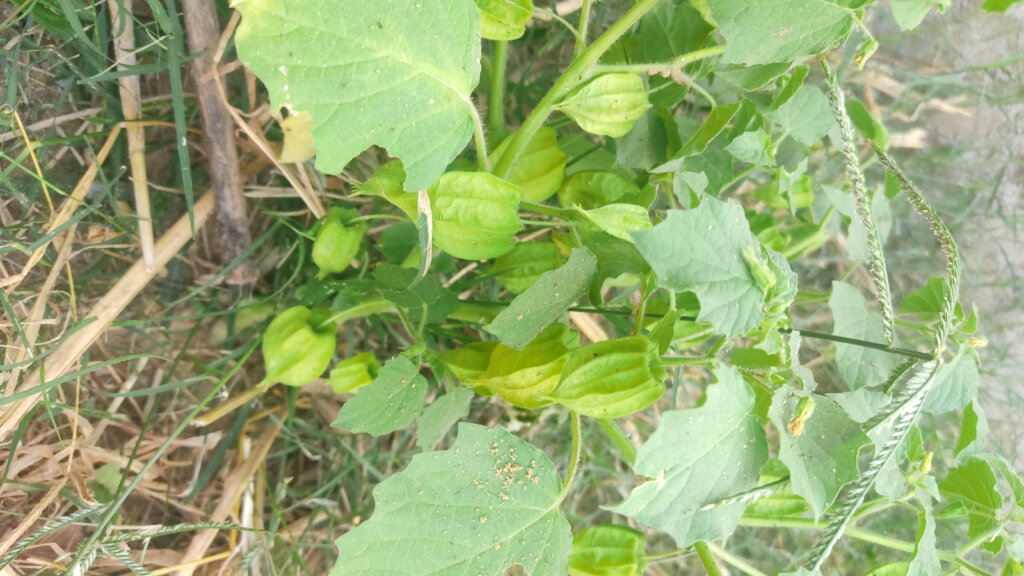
103	314
203	33
131	107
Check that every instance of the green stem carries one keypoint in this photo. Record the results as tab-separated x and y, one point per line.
483	162
707	558
573	75
577	454
647	68
619	438
496	102
677	553
581	34
563	213
546	223
807	333
739	563
858	533
680	361
368	307
861	343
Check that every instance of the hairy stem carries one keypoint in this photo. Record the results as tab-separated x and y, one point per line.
483	162
573	75
707	559
581	33
619	438
496	102
577	454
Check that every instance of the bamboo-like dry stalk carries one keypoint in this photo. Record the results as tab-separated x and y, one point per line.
103	313
65	211
131	107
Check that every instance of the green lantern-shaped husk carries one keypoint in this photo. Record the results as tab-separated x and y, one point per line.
590	190
353	373
607	551
611	379
336	243
540	168
521	267
608	105
298	346
475	214
504	19
523	376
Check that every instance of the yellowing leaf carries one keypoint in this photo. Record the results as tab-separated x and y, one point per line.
298	138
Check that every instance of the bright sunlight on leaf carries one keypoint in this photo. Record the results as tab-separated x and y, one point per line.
398	76
485	504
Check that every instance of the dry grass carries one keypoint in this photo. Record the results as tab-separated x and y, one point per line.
106	333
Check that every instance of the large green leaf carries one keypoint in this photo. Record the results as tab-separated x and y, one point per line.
395	74
806	116
701	250
973	486
908	14
487	503
821	453
765	31
545	301
699	457
926	556
391	402
441	415
857	365
955	385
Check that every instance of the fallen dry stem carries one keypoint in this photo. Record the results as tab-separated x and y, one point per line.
65	212
131	108
103	313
